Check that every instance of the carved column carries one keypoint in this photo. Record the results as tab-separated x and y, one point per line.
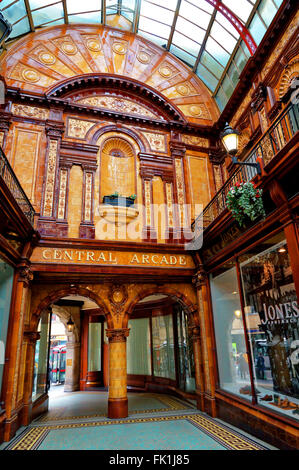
148	233
5	121
117	400
30	339
201	283
72	374
87	228
63	189
14	358
47	220
178	151
199	373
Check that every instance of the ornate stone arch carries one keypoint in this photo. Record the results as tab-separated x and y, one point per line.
65	291
95	133
190	308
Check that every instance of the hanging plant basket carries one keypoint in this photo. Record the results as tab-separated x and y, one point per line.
245	202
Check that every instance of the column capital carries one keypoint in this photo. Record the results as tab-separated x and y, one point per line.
54	129
31	336
118	335
25	274
200	278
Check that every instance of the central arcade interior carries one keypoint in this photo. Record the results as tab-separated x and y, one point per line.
159	354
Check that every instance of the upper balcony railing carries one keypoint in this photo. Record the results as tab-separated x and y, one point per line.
274	140
8	176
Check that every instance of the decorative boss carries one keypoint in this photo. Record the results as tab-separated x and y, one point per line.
245	201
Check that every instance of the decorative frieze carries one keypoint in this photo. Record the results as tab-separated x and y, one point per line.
78	128
157	142
117	104
30	111
195	140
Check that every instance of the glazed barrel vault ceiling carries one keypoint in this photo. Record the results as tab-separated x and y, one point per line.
213	38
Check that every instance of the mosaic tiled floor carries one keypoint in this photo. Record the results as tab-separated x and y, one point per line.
155	422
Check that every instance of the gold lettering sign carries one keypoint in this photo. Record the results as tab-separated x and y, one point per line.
110	258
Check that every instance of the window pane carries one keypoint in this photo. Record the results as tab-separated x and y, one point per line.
267	10
211	64
223	37
187	44
94	346
272	317
79	7
241	8
154	27
21	27
94	17
257	29
139	347
40	378
195	14
163	347
47	14
6	280
155	12
190	30
183	55
221	99
206	77
217	51
230	338
227	86
15	12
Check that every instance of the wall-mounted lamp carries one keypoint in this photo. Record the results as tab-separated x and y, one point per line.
70	325
230	140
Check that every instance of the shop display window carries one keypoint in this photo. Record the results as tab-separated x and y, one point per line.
6	281
272	320
185	353
40	377
94	346
139	347
163	346
233	366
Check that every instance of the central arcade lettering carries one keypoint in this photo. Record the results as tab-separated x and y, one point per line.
112	258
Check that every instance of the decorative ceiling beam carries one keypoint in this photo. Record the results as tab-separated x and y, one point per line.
204	42
29	14
136	16
176	14
234	20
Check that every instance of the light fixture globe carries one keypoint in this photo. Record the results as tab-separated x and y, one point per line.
230	139
5	28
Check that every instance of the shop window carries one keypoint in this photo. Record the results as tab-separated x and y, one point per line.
272	319
94	347
40	377
139	347
186	372
233	365
163	347
6	281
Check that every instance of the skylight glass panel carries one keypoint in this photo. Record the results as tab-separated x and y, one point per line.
5	3
194	14
40	3
267	10
155	39
201	4
154	27
217	51
191	30
82	6
15	12
91	17
206	77
220	18
151	10
221	99
47	14
241	8
211	64
257	29
21	27
183	55
223	37
227	86
185	43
